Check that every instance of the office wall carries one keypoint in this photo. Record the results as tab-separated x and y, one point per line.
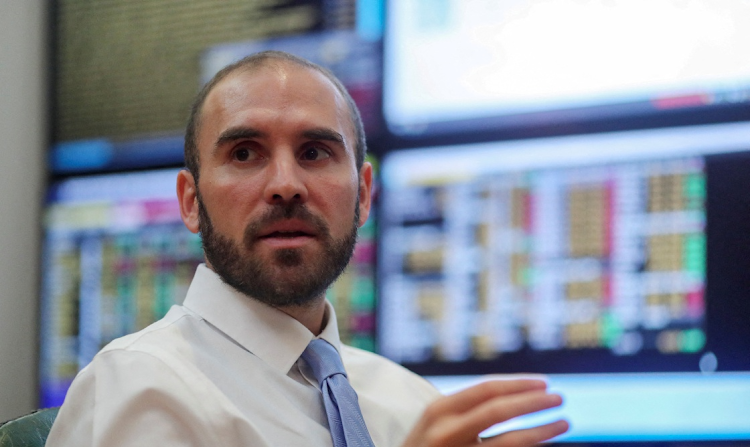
23	135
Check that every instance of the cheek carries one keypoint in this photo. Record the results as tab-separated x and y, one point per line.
230	206
340	200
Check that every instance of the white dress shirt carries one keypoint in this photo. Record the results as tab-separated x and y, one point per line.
225	370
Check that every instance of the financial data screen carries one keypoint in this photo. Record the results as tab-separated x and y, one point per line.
566	254
598	257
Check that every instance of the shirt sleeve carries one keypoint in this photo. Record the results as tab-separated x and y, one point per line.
131	398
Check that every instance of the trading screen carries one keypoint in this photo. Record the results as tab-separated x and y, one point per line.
597	257
608	262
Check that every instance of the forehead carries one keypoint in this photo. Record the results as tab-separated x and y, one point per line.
275	89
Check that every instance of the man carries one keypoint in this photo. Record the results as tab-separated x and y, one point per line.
277	186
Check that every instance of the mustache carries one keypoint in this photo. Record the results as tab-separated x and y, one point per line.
283	212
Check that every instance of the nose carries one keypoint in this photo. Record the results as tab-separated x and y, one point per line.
285	183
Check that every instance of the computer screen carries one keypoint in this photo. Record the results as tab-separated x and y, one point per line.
613	262
454	65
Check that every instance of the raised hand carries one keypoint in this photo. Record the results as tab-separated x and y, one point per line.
457	420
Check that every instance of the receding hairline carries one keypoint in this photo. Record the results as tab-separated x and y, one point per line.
276	63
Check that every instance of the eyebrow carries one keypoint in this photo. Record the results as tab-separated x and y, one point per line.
237	133
241	133
323	134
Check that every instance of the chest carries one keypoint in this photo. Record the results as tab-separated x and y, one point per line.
259	406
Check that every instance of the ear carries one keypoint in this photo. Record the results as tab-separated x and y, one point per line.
187	195
365	192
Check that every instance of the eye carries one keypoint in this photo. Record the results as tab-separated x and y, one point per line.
314	153
243	154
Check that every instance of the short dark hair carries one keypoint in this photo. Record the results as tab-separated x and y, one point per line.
192	159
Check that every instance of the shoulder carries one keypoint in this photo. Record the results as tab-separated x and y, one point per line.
155	359
164	357
162	336
375	369
143	379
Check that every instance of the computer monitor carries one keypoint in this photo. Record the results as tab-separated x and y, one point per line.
616	263
460	66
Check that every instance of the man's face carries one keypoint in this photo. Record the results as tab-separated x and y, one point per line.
280	198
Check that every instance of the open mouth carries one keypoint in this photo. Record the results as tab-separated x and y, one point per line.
288	234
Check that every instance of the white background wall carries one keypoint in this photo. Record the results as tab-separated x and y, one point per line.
23	140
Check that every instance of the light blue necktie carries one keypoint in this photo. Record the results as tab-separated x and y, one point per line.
345	420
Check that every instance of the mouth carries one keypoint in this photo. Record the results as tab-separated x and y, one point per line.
287	234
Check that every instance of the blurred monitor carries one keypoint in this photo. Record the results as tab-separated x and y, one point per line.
455	65
615	262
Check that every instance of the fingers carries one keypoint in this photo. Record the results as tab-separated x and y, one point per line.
504	408
471	397
528	436
458	419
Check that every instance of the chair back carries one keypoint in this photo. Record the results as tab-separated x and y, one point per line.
28	431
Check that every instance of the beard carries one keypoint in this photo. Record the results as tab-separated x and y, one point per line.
288	278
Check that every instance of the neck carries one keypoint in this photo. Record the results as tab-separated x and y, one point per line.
311	315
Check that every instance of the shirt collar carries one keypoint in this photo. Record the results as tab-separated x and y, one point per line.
271	335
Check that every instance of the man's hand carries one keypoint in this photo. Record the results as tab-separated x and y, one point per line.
457	420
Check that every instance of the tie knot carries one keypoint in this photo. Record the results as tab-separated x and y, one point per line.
323	359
